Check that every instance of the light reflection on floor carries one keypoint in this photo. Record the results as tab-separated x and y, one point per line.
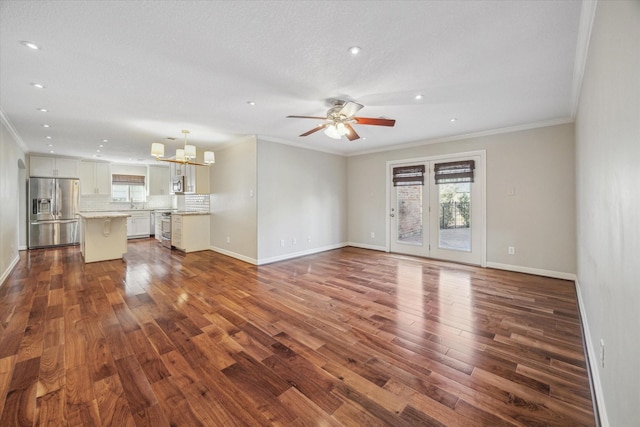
410	294
454	288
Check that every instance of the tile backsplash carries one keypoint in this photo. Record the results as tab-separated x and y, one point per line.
189	202
103	203
196	202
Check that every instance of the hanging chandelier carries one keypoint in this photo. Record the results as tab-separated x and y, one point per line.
186	155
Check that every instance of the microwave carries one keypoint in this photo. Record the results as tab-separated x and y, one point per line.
177	184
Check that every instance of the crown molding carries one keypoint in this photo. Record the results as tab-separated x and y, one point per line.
460	137
587	15
16	137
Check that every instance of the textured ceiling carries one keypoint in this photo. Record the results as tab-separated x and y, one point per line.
137	72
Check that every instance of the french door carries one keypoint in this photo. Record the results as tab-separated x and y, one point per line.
436	208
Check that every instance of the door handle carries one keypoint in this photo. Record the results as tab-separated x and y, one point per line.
392	215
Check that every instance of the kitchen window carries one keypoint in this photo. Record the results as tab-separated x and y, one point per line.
128	188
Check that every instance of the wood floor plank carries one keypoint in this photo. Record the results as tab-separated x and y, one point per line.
345	337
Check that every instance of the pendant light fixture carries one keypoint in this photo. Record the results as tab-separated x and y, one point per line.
186	155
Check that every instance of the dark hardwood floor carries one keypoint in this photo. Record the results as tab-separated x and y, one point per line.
346	337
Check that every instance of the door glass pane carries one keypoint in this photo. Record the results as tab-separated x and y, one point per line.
409	212
455	216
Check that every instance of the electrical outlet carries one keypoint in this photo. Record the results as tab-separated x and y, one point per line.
511	250
282	243
308	239
228	239
293	241
373	235
602	353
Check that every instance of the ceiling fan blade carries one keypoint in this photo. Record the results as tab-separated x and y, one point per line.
315	129
351	133
306	117
375	122
350	109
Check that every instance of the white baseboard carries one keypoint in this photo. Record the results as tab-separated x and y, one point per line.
276	258
365	246
300	253
593	361
234	255
530	270
9	269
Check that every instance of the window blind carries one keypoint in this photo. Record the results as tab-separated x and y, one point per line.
119	179
408	175
454	172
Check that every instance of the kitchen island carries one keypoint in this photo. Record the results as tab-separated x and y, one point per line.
103	235
190	230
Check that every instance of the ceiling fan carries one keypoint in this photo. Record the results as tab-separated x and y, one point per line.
340	118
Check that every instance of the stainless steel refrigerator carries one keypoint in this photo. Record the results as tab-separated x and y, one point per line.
53	212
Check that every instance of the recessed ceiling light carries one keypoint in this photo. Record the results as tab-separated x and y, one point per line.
453	120
101	145
252	103
48	137
105	140
49	145
37	85
418	97
30	45
45	126
354	50
51	151
44	110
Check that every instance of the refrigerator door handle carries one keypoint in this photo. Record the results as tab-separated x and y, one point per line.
55	221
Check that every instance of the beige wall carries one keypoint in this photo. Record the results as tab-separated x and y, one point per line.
302	194
233	185
539	219
11	184
608	190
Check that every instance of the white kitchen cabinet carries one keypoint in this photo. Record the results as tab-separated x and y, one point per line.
159	181
190	233
95	178
196	178
53	167
139	224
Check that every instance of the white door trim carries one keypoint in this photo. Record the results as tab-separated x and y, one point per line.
483	199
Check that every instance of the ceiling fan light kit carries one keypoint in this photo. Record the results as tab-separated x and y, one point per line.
184	155
339	119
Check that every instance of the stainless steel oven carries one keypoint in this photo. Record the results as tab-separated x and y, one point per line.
166	230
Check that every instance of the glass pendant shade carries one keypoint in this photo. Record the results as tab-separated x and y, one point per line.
157	149
209	157
332	132
341	129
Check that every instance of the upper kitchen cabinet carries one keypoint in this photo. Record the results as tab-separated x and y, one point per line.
196	178
159	181
53	167
95	178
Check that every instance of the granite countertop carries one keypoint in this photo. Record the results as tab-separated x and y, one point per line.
181	212
190	213
103	214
